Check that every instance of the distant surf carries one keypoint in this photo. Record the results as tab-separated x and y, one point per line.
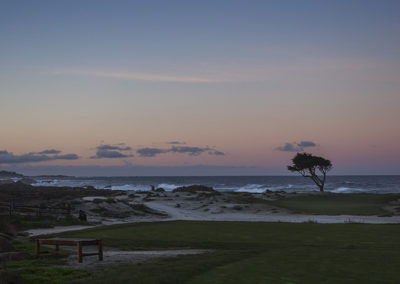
252	184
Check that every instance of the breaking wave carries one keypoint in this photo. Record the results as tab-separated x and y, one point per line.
335	184
347	190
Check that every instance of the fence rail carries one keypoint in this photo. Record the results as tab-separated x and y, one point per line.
13	207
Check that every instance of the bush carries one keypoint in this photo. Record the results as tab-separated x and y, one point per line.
195	188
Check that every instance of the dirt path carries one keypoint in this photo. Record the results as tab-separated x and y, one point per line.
196	215
114	256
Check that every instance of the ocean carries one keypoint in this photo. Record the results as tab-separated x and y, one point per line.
253	184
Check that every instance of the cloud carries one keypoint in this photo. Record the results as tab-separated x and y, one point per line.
150	152
306	144
289	147
46	155
112	151
191	151
176	143
113	147
217	153
65	157
300	67
139	76
50	151
100	154
295	147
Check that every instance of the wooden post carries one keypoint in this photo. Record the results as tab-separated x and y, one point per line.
100	245
79	251
57	248
37	247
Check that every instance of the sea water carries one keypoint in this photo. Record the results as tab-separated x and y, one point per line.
253	184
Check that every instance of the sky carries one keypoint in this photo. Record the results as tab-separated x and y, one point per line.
199	87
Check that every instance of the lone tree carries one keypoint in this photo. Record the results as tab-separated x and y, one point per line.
307	165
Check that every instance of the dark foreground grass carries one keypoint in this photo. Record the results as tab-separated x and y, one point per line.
338	204
26	222
169	270
44	269
255	252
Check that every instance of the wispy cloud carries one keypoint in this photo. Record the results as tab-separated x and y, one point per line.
295	147
46	155
114	147
191	151
50	151
140	76
107	151
176	143
150	152
301	68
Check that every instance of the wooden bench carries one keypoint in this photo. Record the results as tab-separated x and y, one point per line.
79	243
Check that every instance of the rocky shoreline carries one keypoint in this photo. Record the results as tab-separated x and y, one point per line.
62	206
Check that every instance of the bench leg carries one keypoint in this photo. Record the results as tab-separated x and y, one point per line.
100	245
79	245
37	247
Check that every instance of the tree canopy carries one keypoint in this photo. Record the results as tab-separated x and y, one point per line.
308	165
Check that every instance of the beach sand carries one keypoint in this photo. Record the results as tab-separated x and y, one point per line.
169	206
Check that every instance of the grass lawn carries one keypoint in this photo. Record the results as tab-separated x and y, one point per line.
42	270
337	204
253	252
26	222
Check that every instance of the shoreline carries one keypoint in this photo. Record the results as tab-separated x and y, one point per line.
193	203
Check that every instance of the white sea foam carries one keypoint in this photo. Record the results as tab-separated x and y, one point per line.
253	188
338	184
53	182
347	190
168	187
131	187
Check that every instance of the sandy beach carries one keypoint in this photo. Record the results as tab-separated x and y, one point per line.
149	206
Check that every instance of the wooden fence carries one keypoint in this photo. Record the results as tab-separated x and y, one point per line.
14	207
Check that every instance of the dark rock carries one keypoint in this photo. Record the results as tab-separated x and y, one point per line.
194	189
7	229
26	180
6	236
9	277
12	256
6	181
145	209
5	245
237	207
10	174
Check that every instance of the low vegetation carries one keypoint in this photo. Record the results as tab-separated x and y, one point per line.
26	222
44	269
338	204
251	252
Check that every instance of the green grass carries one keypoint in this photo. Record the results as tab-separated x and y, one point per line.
26	222
42	269
337	204
101	200
167	270
253	252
